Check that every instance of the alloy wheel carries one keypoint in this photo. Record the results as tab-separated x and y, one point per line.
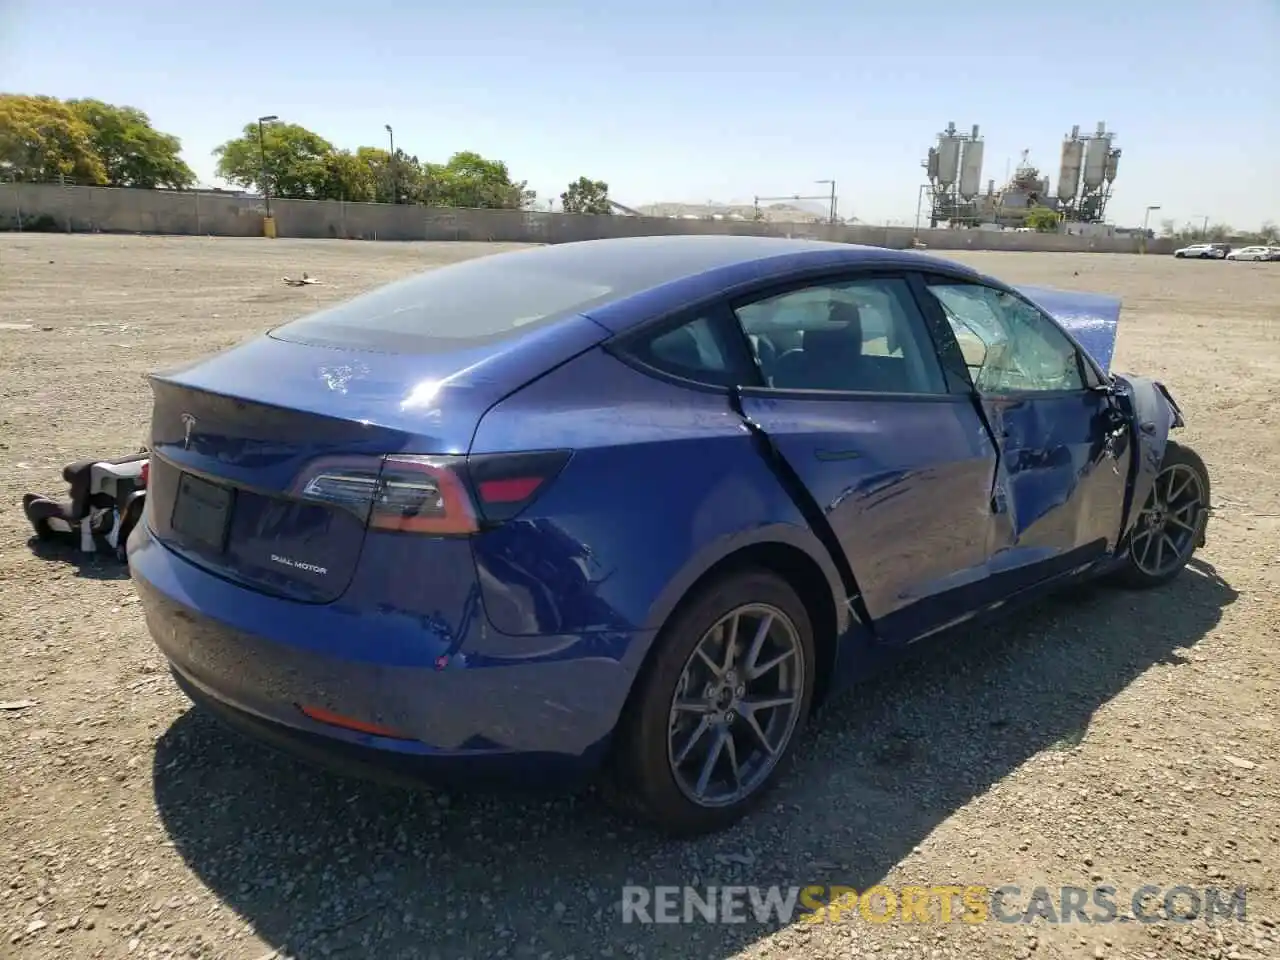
736	705
1169	523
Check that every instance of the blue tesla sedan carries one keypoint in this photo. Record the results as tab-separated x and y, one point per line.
636	506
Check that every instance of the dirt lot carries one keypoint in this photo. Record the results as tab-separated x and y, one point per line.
1105	738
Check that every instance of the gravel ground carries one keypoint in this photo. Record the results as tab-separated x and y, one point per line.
1103	738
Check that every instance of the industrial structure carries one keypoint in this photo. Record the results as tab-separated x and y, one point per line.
953	169
1085	177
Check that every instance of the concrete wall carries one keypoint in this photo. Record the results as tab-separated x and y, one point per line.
101	209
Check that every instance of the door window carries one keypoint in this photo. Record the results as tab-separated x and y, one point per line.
1009	345
858	336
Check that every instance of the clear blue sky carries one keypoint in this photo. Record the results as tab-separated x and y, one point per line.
690	101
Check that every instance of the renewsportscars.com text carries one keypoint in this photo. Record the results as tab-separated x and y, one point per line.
940	903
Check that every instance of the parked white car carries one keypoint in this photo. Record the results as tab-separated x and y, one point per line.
1255	253
1204	251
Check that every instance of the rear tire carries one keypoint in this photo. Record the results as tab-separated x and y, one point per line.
706	733
1170	526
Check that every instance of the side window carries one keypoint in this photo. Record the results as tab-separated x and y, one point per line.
1008	344
855	336
692	351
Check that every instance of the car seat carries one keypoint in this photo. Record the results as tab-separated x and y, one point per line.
828	358
106	498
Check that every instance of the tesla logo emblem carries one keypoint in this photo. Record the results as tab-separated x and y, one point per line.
188	424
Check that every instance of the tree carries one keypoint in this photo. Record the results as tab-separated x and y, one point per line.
301	164
469	180
586	196
396	179
1043	219
42	139
1268	233
411	178
132	151
296	165
349	176
1203	231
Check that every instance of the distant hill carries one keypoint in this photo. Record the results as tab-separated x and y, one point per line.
773	212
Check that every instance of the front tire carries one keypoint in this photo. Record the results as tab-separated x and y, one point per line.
715	713
1170	526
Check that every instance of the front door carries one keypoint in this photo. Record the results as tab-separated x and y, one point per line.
857	404
1059	494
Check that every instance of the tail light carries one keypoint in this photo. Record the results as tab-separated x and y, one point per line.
506	483
434	495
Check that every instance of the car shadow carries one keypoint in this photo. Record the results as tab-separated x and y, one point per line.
102	565
319	864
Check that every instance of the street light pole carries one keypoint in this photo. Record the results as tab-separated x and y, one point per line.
919	204
262	151
831	215
1146	218
395	187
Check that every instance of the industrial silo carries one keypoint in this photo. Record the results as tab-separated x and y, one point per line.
971	166
948	156
1072	161
1097	150
1113	164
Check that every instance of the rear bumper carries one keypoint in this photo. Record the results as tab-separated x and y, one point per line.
497	702
392	767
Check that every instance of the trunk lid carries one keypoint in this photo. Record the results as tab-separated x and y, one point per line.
231	436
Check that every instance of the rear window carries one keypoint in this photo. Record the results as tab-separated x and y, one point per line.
454	307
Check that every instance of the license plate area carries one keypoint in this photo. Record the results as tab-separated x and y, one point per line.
202	512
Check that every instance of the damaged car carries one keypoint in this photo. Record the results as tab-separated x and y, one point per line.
636	507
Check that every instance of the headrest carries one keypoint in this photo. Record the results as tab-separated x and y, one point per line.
841	311
843	338
679	347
